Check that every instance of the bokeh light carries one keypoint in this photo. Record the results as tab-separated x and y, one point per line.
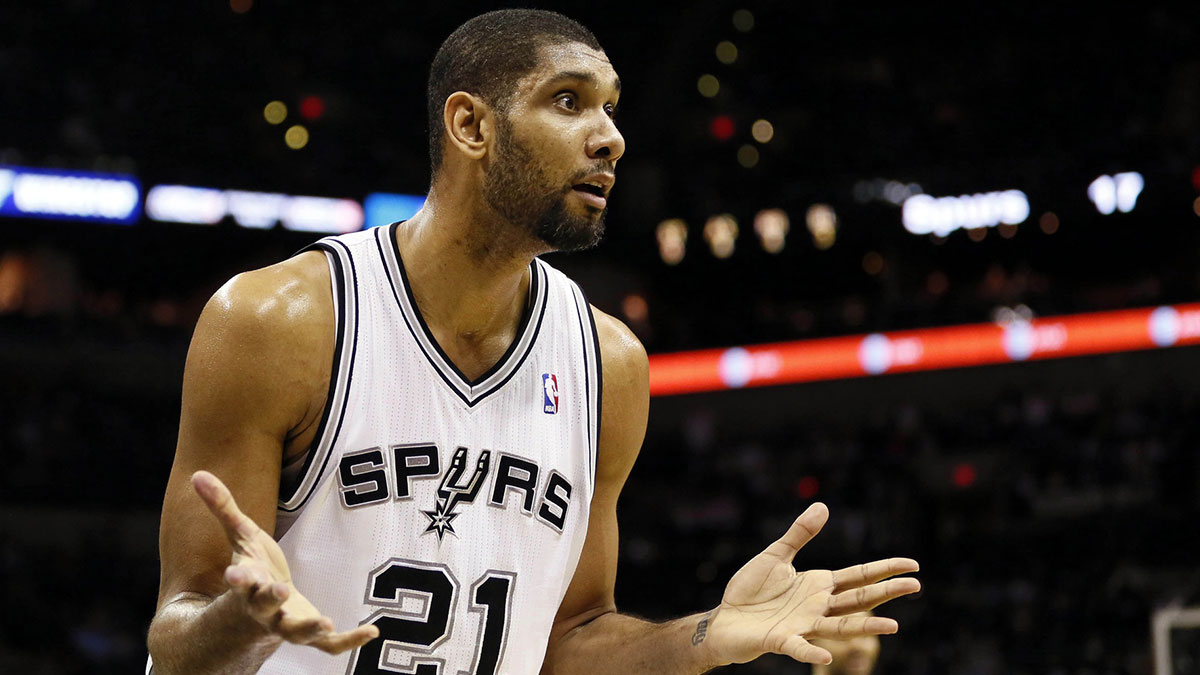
822	225
635	308
722	127
747	156
296	137
275	112
708	85
672	240
312	107
771	226
727	52
1048	222
743	20
762	131
721	233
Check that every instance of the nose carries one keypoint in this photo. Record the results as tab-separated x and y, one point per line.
606	142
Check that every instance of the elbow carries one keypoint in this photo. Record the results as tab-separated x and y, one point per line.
156	642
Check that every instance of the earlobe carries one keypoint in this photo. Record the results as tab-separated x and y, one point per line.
468	124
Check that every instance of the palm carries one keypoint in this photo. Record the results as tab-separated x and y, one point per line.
770	607
258	575
260	553
774	602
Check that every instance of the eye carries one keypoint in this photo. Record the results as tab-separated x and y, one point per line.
567	100
610	110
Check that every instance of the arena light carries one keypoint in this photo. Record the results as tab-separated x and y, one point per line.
924	350
747	156
296	136
722	127
727	52
254	210
672	240
185	204
925	214
771	226
822	225
743	20
762	131
879	189
1116	192
322	214
385	208
721	233
275	112
312	107
69	195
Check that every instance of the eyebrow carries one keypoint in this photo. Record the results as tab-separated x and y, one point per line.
583	76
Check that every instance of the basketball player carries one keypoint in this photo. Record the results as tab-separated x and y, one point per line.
445	492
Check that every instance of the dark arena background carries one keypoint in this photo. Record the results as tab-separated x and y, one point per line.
936	267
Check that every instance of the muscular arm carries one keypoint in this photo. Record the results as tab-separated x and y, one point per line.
589	635
253	388
767	606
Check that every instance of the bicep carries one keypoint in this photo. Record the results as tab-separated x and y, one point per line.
243	392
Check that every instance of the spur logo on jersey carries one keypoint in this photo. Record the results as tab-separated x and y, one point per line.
549	393
454	491
375	476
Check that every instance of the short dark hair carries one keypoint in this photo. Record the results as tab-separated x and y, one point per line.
487	55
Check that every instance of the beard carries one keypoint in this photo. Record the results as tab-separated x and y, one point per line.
518	188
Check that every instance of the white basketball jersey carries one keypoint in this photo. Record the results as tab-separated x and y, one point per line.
450	513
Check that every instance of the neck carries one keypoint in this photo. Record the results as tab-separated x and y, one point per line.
468	268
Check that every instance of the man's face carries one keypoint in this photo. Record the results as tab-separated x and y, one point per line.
557	148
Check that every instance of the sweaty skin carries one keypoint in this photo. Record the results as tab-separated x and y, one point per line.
258	371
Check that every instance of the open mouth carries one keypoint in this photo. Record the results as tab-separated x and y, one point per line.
590	189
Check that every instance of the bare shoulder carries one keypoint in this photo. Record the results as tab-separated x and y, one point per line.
621	353
267	337
294	294
626	399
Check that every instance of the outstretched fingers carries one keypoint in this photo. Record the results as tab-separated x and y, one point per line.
336	643
804	651
254	584
866	598
847	627
219	500
801	532
869	573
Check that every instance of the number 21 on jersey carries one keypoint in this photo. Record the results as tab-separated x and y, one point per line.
410	635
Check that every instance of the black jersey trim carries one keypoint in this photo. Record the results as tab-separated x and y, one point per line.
349	305
387	270
585	333
527	330
599	372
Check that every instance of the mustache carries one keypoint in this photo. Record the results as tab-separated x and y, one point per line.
598	167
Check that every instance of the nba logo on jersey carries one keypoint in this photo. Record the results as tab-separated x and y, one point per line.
550	393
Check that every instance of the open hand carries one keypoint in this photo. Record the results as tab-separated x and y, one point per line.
769	607
259	577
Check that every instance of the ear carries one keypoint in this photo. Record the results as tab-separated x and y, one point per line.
468	124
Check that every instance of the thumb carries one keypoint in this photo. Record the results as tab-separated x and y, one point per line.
801	532
238	526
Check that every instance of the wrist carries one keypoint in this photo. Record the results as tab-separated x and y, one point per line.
233	612
703	641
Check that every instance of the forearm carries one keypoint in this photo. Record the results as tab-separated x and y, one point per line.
201	635
620	644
